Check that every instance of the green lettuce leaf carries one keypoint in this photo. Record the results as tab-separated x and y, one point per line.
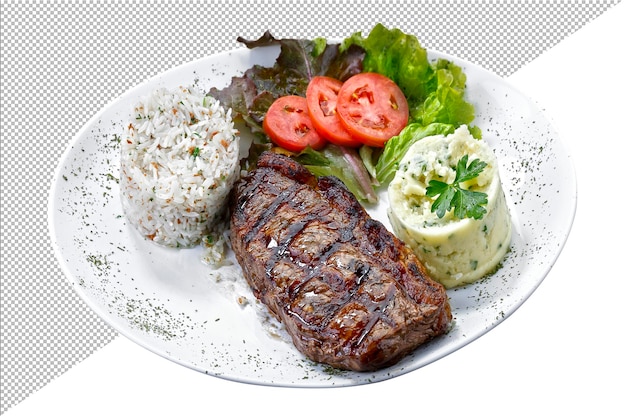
388	162
435	91
398	56
343	163
446	104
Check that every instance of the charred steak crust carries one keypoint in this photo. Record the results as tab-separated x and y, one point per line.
349	293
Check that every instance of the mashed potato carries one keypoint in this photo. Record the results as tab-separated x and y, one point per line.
454	251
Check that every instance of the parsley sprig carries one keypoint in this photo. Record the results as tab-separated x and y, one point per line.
466	203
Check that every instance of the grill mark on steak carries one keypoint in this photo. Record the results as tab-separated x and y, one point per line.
349	292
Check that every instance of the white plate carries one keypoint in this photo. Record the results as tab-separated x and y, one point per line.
171	303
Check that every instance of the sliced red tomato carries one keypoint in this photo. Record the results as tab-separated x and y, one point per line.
372	108
288	124
321	98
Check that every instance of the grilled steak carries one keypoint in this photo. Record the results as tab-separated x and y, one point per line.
349	293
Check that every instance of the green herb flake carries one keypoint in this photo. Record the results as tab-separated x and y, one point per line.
111	177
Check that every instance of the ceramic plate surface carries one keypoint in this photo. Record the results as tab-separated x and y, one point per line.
206	318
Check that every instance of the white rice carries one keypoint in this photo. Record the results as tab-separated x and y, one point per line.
179	160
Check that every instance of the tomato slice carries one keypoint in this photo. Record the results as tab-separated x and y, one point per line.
288	124
372	108
321	98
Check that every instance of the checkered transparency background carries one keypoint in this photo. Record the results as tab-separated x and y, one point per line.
62	62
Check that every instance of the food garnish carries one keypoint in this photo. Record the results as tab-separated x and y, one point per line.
466	203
